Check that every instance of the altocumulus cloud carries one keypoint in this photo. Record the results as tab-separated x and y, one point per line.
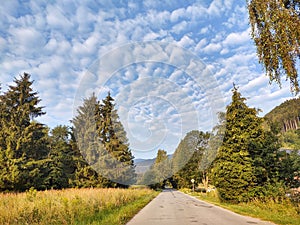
60	43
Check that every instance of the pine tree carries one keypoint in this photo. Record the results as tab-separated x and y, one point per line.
116	161
247	163
23	140
234	172
86	140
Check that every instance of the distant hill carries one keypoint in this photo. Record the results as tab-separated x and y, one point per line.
142	165
286	118
286	115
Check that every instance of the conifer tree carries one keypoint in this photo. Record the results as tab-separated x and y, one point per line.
247	163
87	141
158	174
116	160
234	172
23	140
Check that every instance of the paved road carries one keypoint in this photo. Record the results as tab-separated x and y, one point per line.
175	208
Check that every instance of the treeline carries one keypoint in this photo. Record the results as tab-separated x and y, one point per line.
33	156
240	157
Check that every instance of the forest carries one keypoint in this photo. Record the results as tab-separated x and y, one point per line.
34	156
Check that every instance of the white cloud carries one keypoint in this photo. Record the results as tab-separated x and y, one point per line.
60	44
28	39
212	48
237	38
215	7
177	14
185	42
57	20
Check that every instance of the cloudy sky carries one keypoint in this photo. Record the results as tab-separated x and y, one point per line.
170	65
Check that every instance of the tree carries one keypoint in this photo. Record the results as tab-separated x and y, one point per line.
102	141
275	31
61	165
158	174
211	150
187	158
87	144
290	168
234	172
23	141
116	161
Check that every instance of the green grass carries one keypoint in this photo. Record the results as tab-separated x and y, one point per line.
73	206
281	212
117	216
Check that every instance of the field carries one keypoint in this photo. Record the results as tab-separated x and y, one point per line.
73	206
278	211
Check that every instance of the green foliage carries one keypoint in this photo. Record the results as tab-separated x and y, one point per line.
158	174
86	141
31	156
116	161
291	139
248	156
23	141
284	117
275	31
102	140
290	168
60	165
188	161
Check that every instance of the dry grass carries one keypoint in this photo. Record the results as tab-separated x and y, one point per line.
65	206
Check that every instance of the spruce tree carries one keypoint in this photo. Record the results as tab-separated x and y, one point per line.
88	142
158	174
247	164
234	172
116	160
23	140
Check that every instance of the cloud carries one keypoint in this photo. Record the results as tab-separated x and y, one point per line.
56	18
72	48
237	38
212	48
186	42
28	39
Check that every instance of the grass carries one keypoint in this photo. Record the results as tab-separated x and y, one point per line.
73	206
281	212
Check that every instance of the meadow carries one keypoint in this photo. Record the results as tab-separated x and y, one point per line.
281	211
73	206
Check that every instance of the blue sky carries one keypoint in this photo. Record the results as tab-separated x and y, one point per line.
170	65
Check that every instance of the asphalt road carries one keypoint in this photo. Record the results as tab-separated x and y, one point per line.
176	208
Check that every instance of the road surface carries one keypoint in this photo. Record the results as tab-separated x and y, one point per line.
176	208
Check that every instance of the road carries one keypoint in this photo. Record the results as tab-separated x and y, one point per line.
176	208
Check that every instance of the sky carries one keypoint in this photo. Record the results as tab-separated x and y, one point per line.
169	65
